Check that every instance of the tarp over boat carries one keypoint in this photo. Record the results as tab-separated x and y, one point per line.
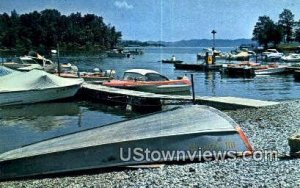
35	79
182	129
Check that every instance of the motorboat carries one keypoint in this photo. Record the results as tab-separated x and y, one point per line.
270	69
172	60
119	53
218	54
291	58
27	63
97	76
239	56
150	81
35	86
274	56
270	51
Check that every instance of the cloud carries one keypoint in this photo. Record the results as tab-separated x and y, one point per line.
123	4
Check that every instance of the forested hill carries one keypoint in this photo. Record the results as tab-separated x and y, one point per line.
43	30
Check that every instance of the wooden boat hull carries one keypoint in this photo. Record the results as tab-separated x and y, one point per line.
113	145
161	89
34	96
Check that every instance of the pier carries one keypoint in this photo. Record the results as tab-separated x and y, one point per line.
136	98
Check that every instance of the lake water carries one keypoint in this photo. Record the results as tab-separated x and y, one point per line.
22	125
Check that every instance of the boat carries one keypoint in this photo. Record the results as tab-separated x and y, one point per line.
194	131
150	81
271	69
136	52
270	51
95	77
291	58
27	63
274	56
172	60
218	54
238	56
35	86
118	53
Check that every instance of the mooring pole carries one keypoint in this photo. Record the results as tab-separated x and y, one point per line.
193	88
58	64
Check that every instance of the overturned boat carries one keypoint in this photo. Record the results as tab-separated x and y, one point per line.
128	142
35	86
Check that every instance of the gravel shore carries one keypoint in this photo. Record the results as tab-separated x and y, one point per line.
267	128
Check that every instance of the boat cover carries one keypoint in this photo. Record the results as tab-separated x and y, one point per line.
35	79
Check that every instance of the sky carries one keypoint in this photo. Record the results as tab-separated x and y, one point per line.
168	20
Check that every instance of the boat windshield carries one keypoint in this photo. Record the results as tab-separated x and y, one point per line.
133	76
155	77
29	61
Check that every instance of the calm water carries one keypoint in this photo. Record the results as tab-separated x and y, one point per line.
21	125
276	88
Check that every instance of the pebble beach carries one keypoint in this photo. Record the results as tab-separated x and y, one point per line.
267	129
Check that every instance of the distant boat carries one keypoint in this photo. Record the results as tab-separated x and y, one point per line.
27	63
194	132
270	69
239	56
218	54
173	60
118	53
274	56
95	77
150	81
35	86
291	58
270	51
136	52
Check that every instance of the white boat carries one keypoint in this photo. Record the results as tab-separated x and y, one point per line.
27	63
269	51
239	56
291	58
150	81
275	55
35	86
267	70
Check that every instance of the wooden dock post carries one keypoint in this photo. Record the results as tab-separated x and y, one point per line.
193	88
58	64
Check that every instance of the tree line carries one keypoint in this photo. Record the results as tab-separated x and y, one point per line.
267	32
42	31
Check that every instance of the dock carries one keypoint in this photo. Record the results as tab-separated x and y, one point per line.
109	94
197	67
